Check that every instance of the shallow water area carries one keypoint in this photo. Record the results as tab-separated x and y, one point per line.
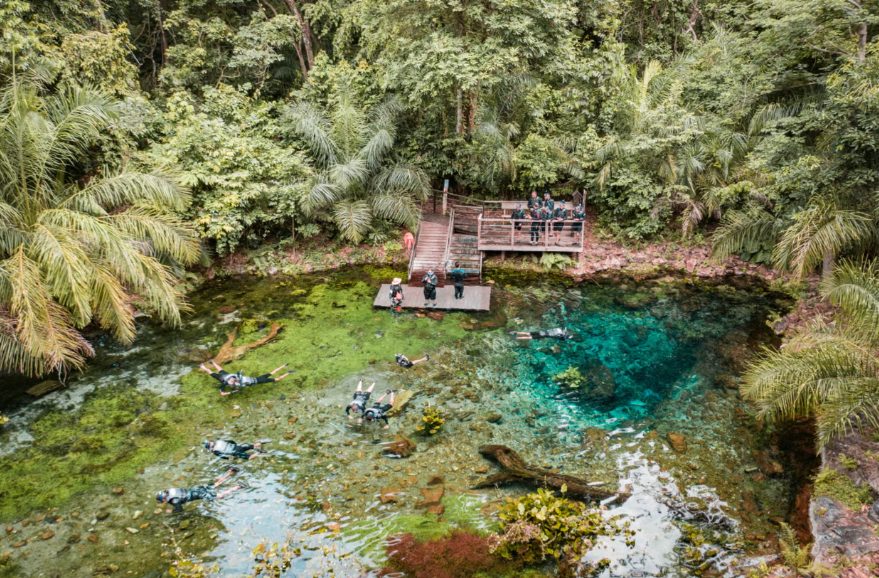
654	358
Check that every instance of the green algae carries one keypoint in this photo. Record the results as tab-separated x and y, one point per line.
330	330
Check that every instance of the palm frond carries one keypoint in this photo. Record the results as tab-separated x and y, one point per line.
354	219
313	126
397	208
739	229
168	235
854	286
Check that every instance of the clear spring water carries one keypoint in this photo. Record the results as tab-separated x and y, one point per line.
669	349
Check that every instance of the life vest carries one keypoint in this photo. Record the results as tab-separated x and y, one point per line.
375	412
224	447
245	381
178	493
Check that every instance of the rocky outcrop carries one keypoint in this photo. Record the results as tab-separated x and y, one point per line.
678	442
401	447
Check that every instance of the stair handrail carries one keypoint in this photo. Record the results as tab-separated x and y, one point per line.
448	252
412	254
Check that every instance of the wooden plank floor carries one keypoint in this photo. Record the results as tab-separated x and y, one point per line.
475	298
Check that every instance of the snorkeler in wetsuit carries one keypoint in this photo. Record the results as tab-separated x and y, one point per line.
404	362
227	449
558	333
378	411
179	496
239	381
359	403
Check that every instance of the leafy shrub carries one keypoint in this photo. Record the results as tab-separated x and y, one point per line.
840	487
540	525
796	557
459	555
431	422
550	261
571	377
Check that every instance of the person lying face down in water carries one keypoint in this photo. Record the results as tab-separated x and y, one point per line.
238	381
226	449
560	334
178	496
403	361
359	403
377	411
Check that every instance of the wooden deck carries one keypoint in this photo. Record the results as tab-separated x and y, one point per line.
475	298
500	234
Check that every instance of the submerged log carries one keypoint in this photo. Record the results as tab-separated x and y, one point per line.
45	387
228	353
518	470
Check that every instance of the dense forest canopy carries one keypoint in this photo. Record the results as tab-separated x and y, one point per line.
252	120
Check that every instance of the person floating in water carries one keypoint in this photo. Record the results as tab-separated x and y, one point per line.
360	399
226	449
238	380
378	411
396	293
403	361
458	275
430	282
178	496
560	334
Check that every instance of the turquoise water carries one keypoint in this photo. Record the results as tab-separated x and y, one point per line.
670	349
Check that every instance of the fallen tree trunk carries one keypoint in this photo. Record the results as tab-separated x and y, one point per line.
518	470
228	353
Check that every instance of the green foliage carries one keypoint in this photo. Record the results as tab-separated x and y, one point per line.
541	525
431	421
245	185
840	487
848	463
795	557
550	261
571	377
78	248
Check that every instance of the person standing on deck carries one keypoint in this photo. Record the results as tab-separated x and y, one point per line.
396	295
430	282
534	202
518	216
579	216
546	212
559	216
548	202
536	224
458	275
545	218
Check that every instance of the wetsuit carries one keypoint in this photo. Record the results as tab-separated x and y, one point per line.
535	203
226	449
243	381
404	363
377	411
178	496
536	225
430	282
459	275
549	204
360	399
562	214
395	301
556	333
579	216
518	214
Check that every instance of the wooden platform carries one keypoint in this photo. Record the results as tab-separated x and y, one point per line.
475	298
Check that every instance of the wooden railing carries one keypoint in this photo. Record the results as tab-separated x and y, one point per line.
447	255
412	255
500	234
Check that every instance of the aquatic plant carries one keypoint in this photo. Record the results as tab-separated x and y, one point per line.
3	419
571	377
541	525
841	488
458	555
431	421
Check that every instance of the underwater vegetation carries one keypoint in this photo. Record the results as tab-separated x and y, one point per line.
431	421
460	554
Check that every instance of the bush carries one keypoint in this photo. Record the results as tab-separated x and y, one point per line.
459	555
540	525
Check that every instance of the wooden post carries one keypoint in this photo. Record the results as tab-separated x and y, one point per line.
445	202
512	234
503	256
478	231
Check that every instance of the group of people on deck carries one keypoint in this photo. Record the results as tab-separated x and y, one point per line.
545	210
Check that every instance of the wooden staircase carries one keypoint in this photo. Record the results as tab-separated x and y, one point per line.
465	219
463	251
429	252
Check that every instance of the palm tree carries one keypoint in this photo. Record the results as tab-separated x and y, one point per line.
828	370
358	180
77	249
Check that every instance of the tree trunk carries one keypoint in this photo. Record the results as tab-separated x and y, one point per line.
306	31
517	470
474	104
302	64
829	261
459	111
862	42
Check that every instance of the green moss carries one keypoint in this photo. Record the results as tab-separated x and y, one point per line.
385	274
848	463
840	487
